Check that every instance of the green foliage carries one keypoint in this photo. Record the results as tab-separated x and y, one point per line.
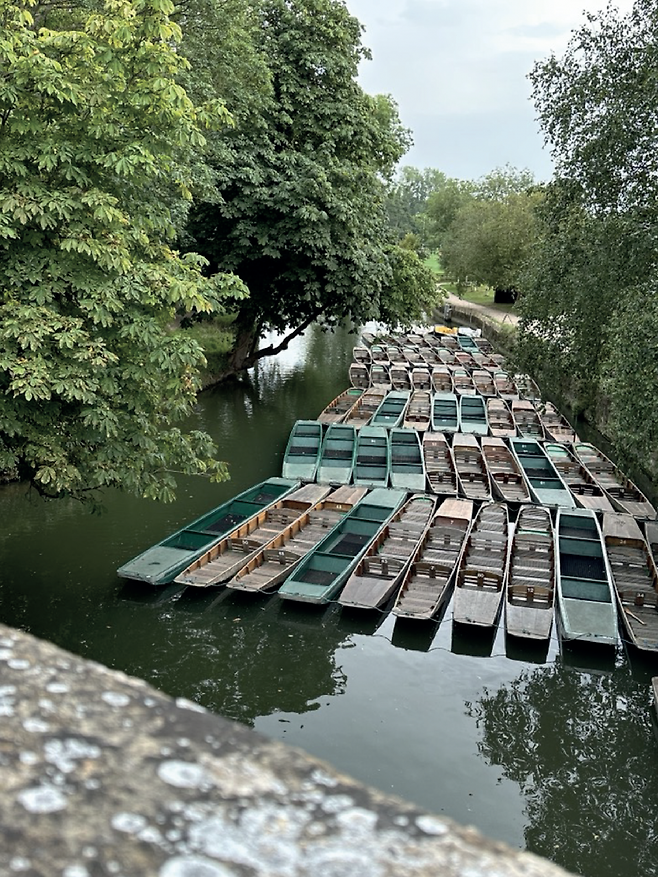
413	291
441	209
95	146
407	198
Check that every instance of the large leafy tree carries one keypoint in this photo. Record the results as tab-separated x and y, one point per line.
299	211
96	137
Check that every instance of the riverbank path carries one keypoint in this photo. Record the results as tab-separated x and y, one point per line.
493	314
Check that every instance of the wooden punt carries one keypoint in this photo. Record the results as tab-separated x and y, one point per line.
419	411
439	464
530	601
400	376
484	361
426	584
302	454
634	577
380	376
484	345
412	356
361	354
446	356
556	426
465	360
390	412
587	493
526	419
473	415
472	474
368	338
586	603
379	574
527	388
230	554
505	386
407	466
276	560
462	381
336	410
361	413
161	563
546	486
483	382
379	354
445	413
621	491
507	479
442	379
325	569
359	375
394	354
450	341
421	378
373	457
429	356
501	422
482	574
337	454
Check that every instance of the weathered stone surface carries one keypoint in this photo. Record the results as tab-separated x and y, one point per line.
102	775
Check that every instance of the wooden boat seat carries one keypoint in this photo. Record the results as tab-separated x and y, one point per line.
382	566
489	579
245	545
531	594
639	598
285	557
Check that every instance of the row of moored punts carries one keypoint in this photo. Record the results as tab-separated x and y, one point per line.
389	512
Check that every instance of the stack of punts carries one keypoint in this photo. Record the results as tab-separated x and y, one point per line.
586	603
526	419
624	495
400	377
556	426
505	386
372	462
361	354
391	410
527	388
472	473
531	578
483	382
473	415
378	575
587	493
361	413
546	486
439	464
359	375
445	413
323	572
407	470
161	563
480	585
275	561
499	416
427	583
337	409
421	378
462	381
507	479
419	411
230	554
442	379
634	577
302	454
337	455
380	377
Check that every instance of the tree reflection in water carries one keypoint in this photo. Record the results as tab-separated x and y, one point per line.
582	749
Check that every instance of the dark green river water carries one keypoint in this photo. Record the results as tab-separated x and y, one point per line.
552	752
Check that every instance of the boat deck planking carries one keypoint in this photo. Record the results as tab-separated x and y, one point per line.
529	606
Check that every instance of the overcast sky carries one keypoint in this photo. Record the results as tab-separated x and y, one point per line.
458	72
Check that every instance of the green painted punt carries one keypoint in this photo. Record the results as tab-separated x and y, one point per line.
302	454
337	455
407	463
391	411
373	457
473	415
324	571
546	486
445	413
161	563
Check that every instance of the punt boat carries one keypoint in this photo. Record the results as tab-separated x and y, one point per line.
556	426
586	606
587	493
400	377
526	419
300	459
445	413
338	408
546	485
394	354
622	492
446	356
417	416
472	473
473	415
527	388
507	479
407	470
529	606
482	574
361	413
427	582
379	354
359	374
380	377
361	353
505	386
501	422
421	378
161	563
634	577
391	410
379	574
466	360
324	571
442	379
337	454
439	464
373	457
265	571
484	345
462	381
483	382
467	343
230	554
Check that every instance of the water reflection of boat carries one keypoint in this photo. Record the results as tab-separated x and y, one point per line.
415	636
475	641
